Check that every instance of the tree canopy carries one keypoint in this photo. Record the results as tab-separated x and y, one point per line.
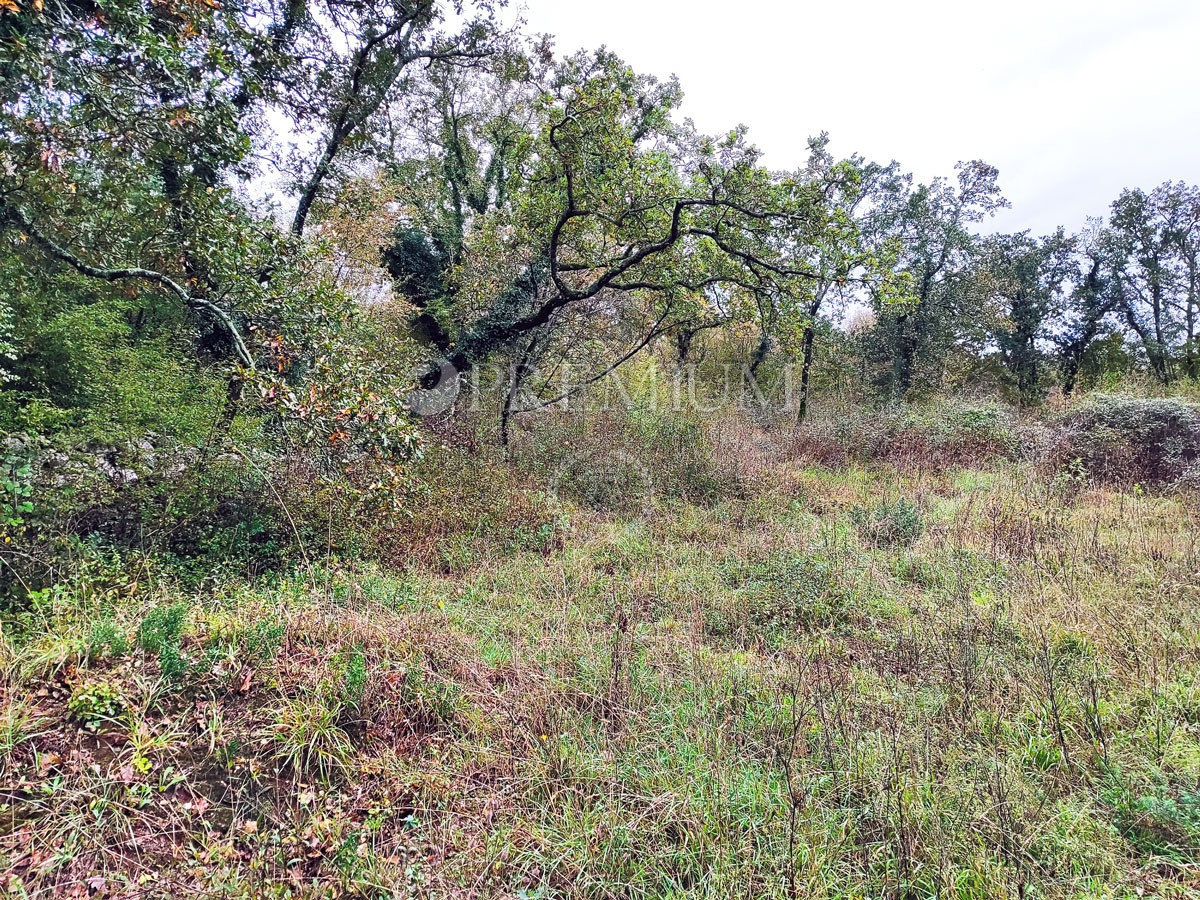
554	214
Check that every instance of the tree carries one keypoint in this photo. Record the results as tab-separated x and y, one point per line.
352	61
1088	304
624	226
130	122
835	254
123	148
123	123
1154	238
461	156
1028	276
938	253
1187	250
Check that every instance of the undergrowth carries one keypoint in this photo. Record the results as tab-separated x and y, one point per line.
862	681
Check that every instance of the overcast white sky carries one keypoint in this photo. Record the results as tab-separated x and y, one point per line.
1071	99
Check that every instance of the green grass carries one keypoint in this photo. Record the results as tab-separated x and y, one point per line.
800	693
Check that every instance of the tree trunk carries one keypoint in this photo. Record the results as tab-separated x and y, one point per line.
810	334
1190	317
520	371
1070	373
760	352
683	345
905	359
1160	360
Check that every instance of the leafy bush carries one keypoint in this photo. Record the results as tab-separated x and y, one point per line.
16	487
1153	441
454	500
964	431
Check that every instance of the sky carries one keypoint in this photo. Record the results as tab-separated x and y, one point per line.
1072	100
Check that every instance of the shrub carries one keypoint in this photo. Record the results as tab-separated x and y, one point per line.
161	633
934	435
1120	439
889	524
16	485
776	596
962	432
622	458
107	639
455	504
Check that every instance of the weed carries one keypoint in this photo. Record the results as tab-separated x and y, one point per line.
161	633
107	639
308	740
889	523
353	667
97	703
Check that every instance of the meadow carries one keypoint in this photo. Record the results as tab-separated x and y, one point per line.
795	671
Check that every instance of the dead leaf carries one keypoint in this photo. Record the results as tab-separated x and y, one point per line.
48	761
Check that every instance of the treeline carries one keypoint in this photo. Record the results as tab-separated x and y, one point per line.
550	213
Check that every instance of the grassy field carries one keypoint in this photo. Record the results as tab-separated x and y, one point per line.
850	682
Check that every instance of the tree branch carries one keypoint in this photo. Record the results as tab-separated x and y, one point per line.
131	272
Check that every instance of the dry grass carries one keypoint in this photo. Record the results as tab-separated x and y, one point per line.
750	696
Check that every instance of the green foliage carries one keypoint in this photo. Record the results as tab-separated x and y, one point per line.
777	597
161	633
107	639
8	352
96	704
889	524
935	434
340	396
542	538
308	739
419	266
1027	277
969	429
1071	480
261	641
913	334
626	454
352	666
1154	242
1155	823
16	486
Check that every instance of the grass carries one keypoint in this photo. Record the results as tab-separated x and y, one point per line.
858	682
